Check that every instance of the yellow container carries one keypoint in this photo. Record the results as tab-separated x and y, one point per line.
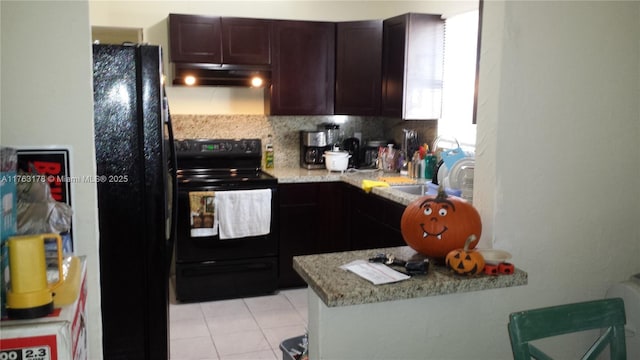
30	295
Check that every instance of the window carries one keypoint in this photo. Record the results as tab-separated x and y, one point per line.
460	44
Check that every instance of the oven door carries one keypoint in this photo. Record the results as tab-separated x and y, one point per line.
197	247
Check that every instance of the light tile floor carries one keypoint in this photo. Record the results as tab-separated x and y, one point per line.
237	329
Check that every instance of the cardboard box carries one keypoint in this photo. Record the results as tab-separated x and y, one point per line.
59	336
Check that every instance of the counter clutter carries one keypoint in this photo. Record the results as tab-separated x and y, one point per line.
355	178
339	287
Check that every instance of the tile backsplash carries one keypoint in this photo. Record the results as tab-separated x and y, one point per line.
285	130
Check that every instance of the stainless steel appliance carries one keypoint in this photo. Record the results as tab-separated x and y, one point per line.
312	146
209	265
369	157
333	133
135	161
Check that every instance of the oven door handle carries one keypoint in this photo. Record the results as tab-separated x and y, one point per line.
221	268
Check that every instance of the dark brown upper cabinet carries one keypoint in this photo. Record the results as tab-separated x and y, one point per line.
246	41
302	68
219	40
195	39
358	67
412	66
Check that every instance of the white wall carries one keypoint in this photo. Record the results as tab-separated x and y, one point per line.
151	16
47	99
557	163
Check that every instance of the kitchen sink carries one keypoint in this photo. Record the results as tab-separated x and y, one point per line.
414	189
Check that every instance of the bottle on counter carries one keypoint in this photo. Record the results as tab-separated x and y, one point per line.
415	166
268	153
429	166
390	159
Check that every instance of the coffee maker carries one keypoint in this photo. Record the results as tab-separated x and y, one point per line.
352	145
312	146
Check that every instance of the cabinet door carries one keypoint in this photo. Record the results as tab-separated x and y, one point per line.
413	56
195	39
393	61
331	211
312	221
303	68
246	41
299	228
374	222
424	67
358	68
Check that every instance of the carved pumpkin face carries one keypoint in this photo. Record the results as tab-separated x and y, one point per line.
436	225
465	261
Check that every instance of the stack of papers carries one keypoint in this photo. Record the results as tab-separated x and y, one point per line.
376	273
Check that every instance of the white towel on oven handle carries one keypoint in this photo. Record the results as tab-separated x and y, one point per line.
243	213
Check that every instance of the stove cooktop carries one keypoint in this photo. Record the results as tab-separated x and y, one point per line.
219	160
241	180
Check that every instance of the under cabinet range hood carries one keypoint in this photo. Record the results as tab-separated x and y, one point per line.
198	74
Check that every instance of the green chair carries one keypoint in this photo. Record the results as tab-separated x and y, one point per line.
607	315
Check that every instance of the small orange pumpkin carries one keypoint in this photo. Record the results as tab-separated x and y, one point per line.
436	225
465	261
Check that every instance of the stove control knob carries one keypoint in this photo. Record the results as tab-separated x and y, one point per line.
252	147
247	147
182	146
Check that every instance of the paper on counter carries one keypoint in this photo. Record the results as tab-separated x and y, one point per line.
376	273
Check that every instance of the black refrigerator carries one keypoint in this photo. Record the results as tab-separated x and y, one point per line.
135	160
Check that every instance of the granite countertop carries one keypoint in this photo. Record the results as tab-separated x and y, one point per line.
338	287
300	175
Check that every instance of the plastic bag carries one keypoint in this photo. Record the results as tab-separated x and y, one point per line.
38	212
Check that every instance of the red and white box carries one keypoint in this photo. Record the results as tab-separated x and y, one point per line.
60	336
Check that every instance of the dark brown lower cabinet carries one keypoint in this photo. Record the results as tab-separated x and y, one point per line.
319	218
374	222
311	222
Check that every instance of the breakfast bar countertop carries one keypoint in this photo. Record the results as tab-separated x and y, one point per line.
338	287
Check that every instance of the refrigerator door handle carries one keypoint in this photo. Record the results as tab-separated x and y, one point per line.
174	185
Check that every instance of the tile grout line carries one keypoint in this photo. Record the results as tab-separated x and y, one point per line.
209	330
264	335
253	312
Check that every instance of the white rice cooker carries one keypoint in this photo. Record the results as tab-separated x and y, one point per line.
336	160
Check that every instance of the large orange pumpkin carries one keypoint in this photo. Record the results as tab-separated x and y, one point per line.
436	225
